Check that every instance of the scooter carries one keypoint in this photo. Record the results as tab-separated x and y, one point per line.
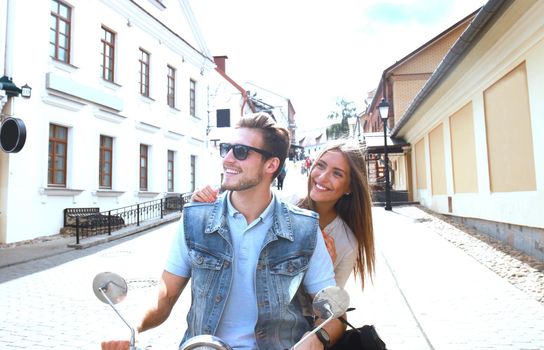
110	288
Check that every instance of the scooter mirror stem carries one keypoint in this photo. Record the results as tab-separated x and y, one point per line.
316	328
132	332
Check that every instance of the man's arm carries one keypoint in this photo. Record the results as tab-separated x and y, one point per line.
170	289
334	328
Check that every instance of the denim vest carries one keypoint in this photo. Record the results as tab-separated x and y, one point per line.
283	260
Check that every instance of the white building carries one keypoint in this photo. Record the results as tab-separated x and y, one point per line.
228	101
118	112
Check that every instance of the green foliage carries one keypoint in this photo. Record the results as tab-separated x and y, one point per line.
344	110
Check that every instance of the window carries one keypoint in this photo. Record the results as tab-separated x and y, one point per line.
223	118
59	33
193	173
171	87
105	166
192	96
58	143
143	167
170	171
144	73
108	54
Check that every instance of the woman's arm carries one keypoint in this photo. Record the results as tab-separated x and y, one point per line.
206	194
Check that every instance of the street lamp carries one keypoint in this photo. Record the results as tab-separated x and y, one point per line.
383	109
26	91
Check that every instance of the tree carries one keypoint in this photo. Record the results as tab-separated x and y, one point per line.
344	110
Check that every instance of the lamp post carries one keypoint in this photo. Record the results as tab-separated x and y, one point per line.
383	109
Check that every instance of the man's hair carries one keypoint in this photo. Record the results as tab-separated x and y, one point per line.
275	137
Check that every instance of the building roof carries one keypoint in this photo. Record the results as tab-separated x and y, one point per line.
461	47
378	93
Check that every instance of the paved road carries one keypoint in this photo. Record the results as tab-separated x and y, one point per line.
55	307
427	294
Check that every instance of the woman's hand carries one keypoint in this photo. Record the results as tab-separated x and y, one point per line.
329	243
206	195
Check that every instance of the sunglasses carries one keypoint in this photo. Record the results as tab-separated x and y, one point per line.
240	151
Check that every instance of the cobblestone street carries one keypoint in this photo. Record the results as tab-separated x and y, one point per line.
56	308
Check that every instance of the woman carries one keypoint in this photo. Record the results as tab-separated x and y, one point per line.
338	191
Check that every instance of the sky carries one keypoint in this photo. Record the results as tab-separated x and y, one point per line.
315	52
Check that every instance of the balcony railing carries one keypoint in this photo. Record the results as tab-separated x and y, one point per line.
86	222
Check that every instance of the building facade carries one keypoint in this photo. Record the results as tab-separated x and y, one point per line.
399	84
475	127
118	108
228	101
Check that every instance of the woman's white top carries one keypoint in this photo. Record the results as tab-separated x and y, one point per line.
346	249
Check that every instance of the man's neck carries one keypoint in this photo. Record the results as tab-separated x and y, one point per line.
252	202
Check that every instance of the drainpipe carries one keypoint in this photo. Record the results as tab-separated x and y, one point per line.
7	101
244	95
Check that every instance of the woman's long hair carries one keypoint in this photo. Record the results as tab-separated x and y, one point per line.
356	208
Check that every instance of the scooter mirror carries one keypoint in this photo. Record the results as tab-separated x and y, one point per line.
204	342
331	301
112	285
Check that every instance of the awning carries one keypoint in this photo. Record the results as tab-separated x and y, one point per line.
374	143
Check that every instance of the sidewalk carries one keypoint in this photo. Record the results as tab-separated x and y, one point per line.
429	294
53	245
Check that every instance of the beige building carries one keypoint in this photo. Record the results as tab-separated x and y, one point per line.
475	127
398	86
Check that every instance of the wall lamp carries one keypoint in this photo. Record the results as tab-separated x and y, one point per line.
12	90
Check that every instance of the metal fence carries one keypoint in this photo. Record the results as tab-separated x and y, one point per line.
86	222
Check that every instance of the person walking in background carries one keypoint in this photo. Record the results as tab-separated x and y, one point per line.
307	164
281	176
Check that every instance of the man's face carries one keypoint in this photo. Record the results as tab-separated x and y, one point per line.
240	175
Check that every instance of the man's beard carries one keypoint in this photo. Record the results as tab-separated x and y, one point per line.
243	184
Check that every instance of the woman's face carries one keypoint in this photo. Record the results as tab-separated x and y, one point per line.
330	178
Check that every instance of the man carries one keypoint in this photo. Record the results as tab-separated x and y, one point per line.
281	176
247	253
